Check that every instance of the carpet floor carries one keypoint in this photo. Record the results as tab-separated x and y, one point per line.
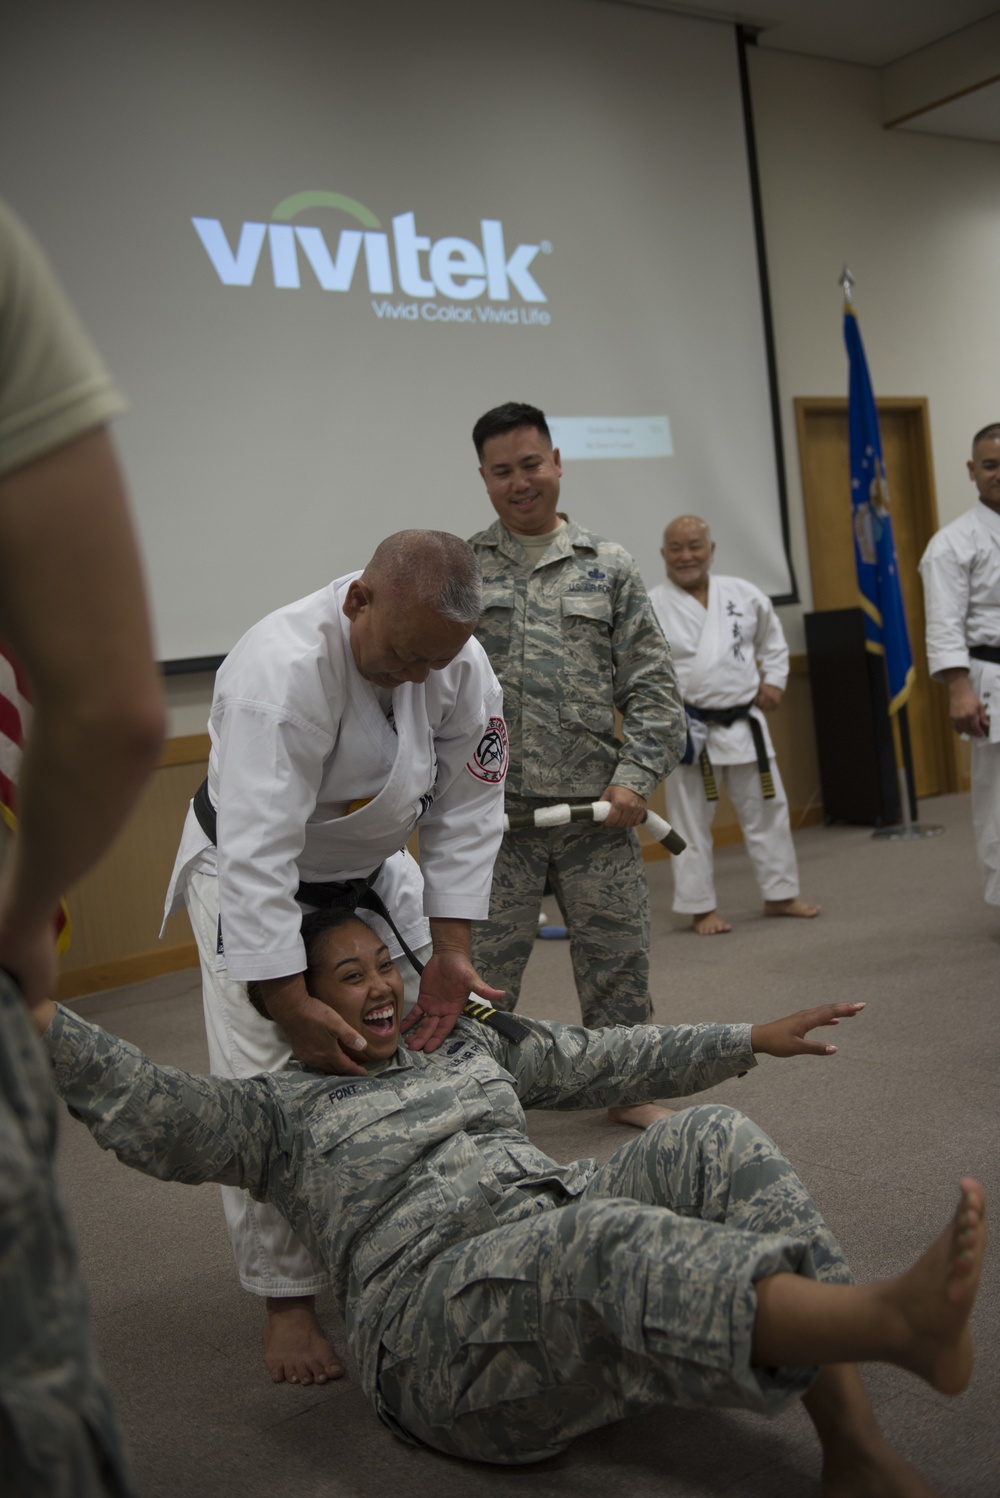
880	1133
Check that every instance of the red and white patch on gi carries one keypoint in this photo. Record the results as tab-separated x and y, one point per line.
490	759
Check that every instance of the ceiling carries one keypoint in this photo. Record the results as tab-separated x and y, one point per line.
939	59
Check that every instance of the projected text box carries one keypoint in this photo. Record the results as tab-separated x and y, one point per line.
611	436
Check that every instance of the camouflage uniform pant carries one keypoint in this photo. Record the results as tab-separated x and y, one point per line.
57	1430
637	1294
599	882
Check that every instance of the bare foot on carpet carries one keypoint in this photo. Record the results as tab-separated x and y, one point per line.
928	1308
710	923
858	1461
797	907
873	1469
640	1115
935	1297
296	1351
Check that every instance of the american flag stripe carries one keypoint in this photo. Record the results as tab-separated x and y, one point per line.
15	720
15	715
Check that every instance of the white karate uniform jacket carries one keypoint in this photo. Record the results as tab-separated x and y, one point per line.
297	736
961	575
716	649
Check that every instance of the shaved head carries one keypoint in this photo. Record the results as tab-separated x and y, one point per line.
986	434
431	570
688	550
414	607
685	522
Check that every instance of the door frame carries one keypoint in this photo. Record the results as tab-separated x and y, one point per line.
920	500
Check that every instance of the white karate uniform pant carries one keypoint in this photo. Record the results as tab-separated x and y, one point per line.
241	1043
766	829
986	816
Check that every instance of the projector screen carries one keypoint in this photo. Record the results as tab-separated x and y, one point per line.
314	244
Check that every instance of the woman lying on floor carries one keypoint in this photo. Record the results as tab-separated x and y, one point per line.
499	1304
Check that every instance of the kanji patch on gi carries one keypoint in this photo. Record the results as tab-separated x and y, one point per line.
490	759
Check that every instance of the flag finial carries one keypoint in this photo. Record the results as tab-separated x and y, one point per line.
847	283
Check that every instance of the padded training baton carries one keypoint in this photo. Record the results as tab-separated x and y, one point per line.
591	811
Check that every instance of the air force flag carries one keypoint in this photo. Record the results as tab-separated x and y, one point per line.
874	549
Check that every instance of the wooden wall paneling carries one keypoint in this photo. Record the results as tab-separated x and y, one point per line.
116	909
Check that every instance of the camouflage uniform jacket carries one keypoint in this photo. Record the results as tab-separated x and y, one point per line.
378	1175
570	642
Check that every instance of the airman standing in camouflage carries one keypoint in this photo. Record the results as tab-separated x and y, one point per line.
499	1303
571	635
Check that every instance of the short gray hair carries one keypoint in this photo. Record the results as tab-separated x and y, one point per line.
435	568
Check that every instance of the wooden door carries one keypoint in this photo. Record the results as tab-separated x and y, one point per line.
826	485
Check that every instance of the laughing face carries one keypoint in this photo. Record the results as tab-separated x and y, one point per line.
354	974
688	550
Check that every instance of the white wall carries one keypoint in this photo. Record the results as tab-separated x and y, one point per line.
917	219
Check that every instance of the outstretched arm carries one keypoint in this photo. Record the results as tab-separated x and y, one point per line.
159	1119
565	1066
787	1037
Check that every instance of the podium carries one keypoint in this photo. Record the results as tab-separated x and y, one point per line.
854	744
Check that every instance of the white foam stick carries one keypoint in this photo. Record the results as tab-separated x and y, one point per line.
594	811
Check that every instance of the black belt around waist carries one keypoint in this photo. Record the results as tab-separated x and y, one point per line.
357	894
727	716
333	894
985	653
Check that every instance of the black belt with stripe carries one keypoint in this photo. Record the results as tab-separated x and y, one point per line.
727	716
985	653
356	894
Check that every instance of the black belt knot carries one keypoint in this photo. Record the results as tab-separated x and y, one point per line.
727	716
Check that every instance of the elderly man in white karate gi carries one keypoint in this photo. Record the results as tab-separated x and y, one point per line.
339	725
961	576
718	628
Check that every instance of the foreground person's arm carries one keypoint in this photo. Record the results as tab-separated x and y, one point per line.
565	1066
72	607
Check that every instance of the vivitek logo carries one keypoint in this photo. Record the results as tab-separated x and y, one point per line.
459	269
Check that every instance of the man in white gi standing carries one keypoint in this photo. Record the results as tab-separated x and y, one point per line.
961	576
717	629
338	724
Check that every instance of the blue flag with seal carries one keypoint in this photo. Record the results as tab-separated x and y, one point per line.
874	548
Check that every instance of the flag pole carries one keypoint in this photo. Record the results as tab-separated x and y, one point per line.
909	795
